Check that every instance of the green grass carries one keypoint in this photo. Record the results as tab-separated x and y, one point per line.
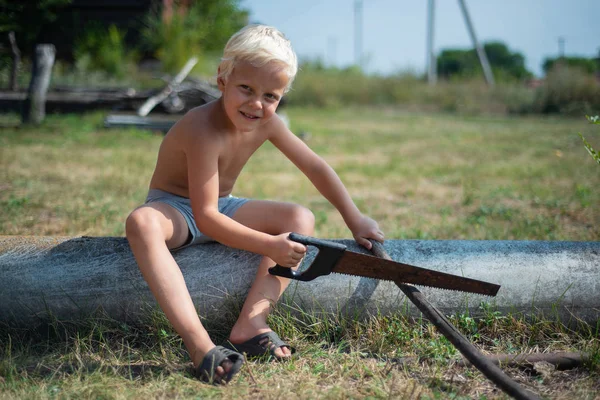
421	176
386	356
431	176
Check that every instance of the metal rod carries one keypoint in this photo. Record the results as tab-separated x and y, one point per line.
485	64
470	352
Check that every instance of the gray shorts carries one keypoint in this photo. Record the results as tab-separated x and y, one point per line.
227	205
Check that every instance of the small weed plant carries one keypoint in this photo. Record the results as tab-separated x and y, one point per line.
595	155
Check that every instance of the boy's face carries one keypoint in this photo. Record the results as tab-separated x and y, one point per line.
251	94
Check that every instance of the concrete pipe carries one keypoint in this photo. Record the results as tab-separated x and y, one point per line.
68	278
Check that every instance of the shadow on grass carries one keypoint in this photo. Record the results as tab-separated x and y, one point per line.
134	371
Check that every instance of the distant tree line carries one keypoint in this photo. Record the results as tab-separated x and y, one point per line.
588	65
506	64
118	31
173	30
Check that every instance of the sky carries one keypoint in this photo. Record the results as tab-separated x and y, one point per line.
394	32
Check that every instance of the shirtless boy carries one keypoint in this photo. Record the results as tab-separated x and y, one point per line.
190	200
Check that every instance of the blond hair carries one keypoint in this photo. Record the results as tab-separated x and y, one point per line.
259	45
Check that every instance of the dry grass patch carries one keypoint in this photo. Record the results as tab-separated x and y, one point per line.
421	176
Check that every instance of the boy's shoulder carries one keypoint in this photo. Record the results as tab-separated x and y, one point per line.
197	117
195	125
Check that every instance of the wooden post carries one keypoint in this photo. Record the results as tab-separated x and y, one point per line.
16	61
431	59
34	109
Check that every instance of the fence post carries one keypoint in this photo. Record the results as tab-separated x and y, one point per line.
34	109
16	61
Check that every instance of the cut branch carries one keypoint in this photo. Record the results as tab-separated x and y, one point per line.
160	97
16	53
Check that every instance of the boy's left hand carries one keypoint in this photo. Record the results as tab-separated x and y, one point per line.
364	229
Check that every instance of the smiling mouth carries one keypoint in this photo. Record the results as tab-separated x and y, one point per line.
249	116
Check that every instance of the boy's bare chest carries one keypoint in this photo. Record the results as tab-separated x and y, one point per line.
235	155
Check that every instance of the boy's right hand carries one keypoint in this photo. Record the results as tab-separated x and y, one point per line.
286	252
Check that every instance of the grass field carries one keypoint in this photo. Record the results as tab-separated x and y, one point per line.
421	176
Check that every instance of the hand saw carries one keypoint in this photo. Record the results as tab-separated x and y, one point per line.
333	257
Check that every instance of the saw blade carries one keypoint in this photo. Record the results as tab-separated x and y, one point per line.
364	265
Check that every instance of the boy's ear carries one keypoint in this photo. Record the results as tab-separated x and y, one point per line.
221	83
220	80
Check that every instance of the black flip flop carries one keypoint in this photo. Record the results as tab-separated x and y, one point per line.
207	370
262	345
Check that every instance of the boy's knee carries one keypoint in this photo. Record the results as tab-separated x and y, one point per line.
303	220
140	223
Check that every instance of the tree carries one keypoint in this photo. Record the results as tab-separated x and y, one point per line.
502	59
28	18
456	62
191	28
465	63
588	65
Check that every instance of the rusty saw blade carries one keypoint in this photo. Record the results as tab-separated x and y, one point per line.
334	257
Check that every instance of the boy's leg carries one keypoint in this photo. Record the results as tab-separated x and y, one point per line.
151	231
273	218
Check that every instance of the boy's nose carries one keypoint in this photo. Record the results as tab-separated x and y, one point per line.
256	104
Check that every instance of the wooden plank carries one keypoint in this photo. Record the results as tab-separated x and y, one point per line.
133	121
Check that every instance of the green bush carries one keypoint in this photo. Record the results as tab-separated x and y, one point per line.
174	43
588	65
101	49
565	90
198	31
517	99
331	87
568	90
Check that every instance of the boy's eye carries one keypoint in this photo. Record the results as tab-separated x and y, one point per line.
271	96
245	87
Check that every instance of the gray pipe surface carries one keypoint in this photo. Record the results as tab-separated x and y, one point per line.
70	278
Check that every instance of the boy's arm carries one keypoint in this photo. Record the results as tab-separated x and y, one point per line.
327	182
203	182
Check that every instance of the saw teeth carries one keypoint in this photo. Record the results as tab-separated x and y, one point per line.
416	284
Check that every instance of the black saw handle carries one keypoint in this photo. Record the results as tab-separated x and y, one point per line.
327	257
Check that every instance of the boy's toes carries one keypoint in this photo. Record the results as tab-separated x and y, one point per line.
282	352
219	365
265	344
225	368
220	372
